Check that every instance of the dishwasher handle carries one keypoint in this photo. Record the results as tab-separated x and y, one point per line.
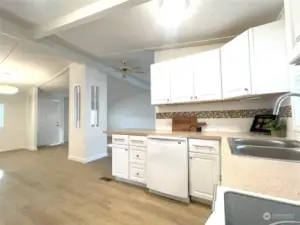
164	139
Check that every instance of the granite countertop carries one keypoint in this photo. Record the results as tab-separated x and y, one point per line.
187	134
272	177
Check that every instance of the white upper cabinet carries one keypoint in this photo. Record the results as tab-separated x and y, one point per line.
295	87
292	18
269	63
160	83
235	59
182	79
207	76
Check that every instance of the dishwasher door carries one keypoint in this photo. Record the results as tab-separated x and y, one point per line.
167	166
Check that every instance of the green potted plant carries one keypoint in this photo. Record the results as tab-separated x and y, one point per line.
277	127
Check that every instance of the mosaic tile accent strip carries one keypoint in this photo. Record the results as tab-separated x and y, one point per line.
285	111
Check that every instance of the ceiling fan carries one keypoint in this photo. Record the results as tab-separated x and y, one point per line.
126	70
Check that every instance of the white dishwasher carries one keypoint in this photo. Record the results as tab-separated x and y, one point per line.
167	167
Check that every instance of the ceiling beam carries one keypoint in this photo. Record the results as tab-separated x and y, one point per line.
85	15
20	34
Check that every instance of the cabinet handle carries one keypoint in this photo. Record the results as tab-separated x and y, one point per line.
195	97
191	97
119	139
168	100
126	149
191	157
246	89
203	146
137	174
137	156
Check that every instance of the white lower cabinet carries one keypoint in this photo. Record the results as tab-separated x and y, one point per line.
137	173
120	162
204	175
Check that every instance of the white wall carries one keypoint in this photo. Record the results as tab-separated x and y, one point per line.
87	143
13	135
31	118
66	119
129	107
45	101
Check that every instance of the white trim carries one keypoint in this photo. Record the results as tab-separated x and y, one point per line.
11	149
96	157
87	160
31	148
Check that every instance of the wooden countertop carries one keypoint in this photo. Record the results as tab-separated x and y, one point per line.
272	177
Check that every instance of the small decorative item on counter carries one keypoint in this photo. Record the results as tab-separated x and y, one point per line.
260	122
277	127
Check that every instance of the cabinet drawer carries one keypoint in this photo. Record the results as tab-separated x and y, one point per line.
120	139
138	155
204	146
138	141
137	173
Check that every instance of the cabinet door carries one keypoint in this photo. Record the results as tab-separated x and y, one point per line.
295	87
182	83
120	162
269	64
160	83
204	175
207	76
236	75
292	18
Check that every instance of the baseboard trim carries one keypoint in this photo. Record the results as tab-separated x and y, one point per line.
87	160
96	157
31	148
8	150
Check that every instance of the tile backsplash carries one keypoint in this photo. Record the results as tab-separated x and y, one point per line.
285	111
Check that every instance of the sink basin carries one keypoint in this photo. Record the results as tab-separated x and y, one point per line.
285	150
267	143
269	152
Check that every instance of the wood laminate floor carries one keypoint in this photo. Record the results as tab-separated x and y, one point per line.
44	188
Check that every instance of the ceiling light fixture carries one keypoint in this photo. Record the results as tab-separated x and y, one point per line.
172	12
8	90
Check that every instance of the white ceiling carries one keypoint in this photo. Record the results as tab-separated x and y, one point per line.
138	28
42	11
135	33
28	65
59	85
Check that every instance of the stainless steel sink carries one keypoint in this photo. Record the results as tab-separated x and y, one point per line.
267	143
285	150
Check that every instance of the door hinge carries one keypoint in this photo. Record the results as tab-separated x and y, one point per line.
220	178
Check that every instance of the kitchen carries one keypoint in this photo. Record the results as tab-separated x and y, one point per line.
259	63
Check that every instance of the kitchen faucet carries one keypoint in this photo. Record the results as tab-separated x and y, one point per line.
280	99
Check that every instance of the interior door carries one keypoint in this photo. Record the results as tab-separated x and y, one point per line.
204	175
120	162
236	73
207	76
53	122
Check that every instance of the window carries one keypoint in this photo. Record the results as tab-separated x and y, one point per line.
95	106
1	116
77	105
